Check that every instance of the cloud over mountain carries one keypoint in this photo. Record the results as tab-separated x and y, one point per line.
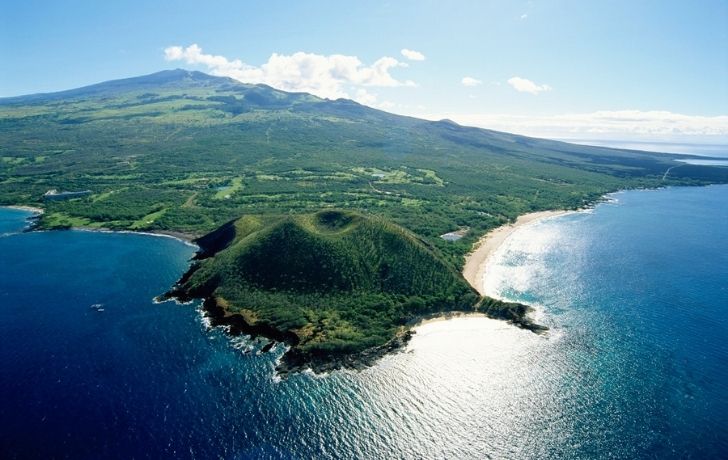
329	76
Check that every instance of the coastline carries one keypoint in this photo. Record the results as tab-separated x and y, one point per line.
474	269
189	240
186	238
420	321
296	359
32	209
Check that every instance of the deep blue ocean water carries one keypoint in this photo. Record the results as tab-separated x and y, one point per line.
635	365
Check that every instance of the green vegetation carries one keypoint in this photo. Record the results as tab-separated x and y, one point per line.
340	282
227	191
207	150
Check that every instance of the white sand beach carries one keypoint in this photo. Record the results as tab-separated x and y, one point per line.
474	270
26	208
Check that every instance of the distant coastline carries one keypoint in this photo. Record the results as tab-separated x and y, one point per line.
186	238
691	149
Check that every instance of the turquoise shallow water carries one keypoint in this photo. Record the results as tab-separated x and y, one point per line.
635	366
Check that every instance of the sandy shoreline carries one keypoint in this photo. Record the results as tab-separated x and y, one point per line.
440	316
26	208
474	269
186	237
181	237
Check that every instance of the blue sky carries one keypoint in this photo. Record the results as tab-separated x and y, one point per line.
652	70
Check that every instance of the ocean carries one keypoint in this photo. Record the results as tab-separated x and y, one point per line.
635	365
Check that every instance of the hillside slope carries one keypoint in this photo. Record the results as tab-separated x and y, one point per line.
333	283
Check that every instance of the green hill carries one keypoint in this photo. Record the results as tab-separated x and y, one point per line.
331	284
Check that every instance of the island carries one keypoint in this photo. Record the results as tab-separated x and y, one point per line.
338	287
355	221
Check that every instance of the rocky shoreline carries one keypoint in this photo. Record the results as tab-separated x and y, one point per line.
514	313
296	360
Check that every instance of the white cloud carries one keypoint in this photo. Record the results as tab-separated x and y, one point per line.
470	81
413	55
524	16
654	125
524	85
331	76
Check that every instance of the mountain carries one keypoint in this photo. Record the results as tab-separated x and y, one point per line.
182	151
337	286
167	79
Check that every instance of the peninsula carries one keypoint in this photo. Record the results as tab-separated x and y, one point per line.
338	287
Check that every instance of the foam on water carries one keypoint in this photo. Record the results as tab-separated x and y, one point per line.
524	257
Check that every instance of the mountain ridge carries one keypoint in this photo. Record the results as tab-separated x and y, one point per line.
154	79
177	75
